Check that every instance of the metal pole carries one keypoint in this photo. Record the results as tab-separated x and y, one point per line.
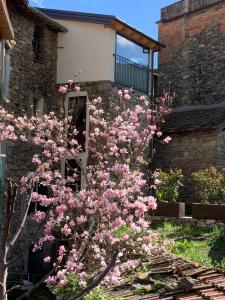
150	73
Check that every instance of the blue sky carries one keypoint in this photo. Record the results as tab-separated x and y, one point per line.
142	14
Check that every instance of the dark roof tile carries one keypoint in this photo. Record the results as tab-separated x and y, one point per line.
199	119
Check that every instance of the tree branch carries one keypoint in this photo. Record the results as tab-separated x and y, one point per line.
10	196
16	236
35	237
38	284
96	281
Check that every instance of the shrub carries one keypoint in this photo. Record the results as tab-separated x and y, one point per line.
168	185
210	185
99	294
74	286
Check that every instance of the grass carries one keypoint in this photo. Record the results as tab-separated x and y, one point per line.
201	245
99	294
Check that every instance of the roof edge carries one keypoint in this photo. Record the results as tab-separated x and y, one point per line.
41	17
97	19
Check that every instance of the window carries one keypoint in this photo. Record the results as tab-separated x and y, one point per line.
38	107
36	42
34	206
76	106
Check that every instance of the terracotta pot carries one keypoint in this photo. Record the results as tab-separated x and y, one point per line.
170	209
208	211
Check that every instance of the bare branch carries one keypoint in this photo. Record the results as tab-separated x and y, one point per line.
38	284
21	227
85	242
96	281
11	194
35	237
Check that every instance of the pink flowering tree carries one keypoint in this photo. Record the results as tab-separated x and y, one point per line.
101	228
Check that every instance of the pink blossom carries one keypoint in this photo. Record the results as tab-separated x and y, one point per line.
70	82
157	181
159	134
127	97
51	280
62	250
63	89
66	230
120	93
38	216
62	282
47	259
167	140
81	219
77	89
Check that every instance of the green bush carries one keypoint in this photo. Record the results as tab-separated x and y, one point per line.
99	294
210	185
168	189
73	287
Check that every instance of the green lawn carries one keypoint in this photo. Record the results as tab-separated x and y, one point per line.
202	245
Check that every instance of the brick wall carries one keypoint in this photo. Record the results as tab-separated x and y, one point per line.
191	152
193	62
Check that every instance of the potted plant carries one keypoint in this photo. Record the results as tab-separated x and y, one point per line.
210	188
167	191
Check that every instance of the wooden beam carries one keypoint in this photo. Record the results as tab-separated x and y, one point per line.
133	35
6	30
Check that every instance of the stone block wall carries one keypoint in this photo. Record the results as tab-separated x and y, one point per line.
202	223
30	79
191	152
193	62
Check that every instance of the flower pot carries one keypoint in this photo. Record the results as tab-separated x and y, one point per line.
208	211
170	209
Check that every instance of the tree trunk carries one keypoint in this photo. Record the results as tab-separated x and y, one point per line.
3	282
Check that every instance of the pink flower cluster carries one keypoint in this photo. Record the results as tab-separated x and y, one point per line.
110	214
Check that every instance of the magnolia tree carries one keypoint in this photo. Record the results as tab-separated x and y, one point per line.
102	228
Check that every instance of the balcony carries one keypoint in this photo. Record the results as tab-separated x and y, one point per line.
131	74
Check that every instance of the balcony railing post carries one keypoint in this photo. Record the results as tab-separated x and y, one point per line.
151	75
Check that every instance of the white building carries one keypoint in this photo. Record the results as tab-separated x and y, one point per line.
91	45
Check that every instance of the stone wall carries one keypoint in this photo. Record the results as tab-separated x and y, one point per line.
30	79
190	221
191	152
183	7
104	88
193	62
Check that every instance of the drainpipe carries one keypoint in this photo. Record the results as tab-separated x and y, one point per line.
151	74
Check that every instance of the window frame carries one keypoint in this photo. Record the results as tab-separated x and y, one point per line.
82	157
36	41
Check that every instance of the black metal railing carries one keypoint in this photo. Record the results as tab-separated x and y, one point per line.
131	74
